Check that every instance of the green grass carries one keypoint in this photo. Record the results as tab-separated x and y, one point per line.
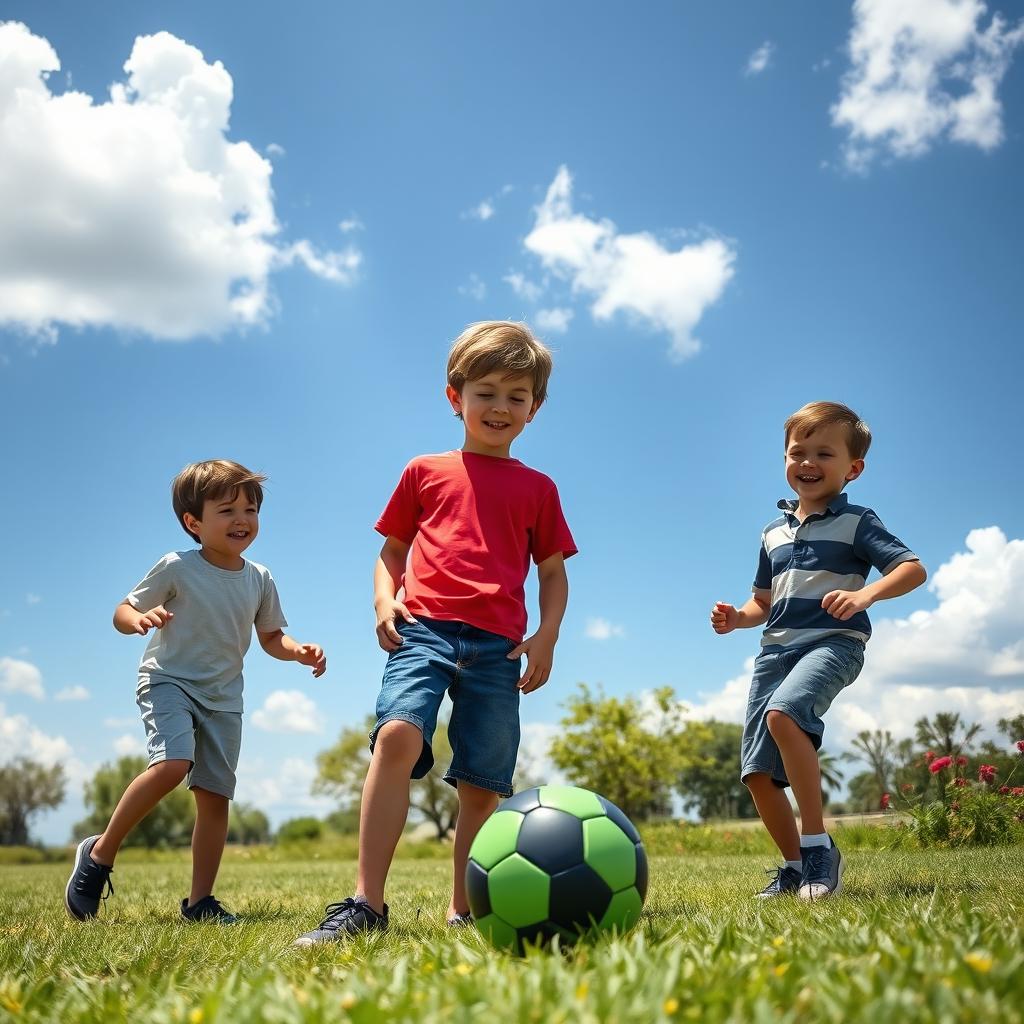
917	936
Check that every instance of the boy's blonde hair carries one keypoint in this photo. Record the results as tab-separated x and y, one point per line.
805	421
217	478
499	345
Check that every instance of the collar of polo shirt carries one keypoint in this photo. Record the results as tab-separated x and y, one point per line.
835	506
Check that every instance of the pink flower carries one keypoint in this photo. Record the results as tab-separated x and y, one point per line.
930	755
960	782
1004	790
1017	791
987	773
885	801
939	763
1020	746
961	761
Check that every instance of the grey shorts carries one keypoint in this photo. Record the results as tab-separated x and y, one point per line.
801	683
178	728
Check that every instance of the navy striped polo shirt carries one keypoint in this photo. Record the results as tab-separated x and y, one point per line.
802	562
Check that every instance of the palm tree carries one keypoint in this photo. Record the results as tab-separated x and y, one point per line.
939	734
878	750
831	773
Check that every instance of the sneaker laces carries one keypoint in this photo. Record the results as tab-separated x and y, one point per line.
816	862
335	913
95	878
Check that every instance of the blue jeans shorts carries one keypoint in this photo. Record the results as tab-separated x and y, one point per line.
801	683
473	667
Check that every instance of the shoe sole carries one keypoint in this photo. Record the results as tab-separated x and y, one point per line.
836	891
67	889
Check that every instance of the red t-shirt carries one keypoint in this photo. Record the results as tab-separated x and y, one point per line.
473	523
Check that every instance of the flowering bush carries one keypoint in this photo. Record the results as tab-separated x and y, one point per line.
936	764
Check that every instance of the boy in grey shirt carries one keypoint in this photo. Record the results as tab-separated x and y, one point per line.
202	606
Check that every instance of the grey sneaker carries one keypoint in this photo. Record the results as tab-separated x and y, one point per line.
460	921
88	879
209	908
823	872
785	883
349	917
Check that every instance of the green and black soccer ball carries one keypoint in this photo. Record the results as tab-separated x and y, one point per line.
556	860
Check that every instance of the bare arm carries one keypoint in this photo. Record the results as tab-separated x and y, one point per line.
129	620
844	604
387	579
725	617
281	646
553	596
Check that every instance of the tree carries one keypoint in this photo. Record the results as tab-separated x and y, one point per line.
878	750
710	782
865	796
628	751
298	829
168	824
942	734
1012	728
26	788
831	774
247	825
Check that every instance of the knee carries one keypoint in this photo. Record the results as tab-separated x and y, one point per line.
757	781
171	772
777	722
475	799
398	741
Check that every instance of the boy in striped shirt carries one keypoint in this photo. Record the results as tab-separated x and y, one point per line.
811	595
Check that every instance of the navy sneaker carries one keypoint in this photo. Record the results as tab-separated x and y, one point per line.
207	909
88	879
460	921
349	917
785	883
823	872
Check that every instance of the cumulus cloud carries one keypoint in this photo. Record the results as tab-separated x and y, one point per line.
602	629
72	693
632	274
282	789
553	321
921	71
965	655
486	208
136	212
523	287
350	224
128	744
287	711
760	58
18	676
534	761
20	738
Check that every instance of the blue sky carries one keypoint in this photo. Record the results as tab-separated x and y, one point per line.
403	170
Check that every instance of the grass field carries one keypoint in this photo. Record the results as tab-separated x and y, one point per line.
917	936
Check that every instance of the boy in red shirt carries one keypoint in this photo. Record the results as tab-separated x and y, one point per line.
460	531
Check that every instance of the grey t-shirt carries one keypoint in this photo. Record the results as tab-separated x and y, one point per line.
202	647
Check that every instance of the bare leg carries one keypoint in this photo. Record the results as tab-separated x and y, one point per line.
208	839
773	807
143	794
385	806
801	761
476	805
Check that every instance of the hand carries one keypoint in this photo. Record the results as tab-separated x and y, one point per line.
844	604
387	636
312	655
724	618
540	654
155	618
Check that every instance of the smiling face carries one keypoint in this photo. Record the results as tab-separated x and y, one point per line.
229	524
494	409
820	465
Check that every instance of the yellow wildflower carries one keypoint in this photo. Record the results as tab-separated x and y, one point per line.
780	969
671	1005
348	1000
196	1016
981	962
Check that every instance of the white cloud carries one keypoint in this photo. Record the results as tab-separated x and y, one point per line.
523	287
287	711
136	212
20	738
964	655
922	70
553	321
350	224
632	274
282	789
475	288
602	629
120	723
484	210
273	149
534	758
32	599
72	693
128	744
18	676
760	58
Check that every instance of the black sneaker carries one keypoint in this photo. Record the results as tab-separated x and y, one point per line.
349	917
460	921
785	883
207	909
823	872
88	879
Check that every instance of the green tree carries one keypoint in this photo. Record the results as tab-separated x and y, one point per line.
865	796
298	829
710	783
878	750
626	751
247	825
1012	728
168	824
26	788
831	774
946	734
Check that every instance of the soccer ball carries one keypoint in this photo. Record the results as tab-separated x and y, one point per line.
556	860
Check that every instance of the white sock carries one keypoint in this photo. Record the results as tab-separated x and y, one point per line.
822	840
796	865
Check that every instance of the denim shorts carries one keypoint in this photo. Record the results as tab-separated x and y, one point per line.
181	729
801	683
472	665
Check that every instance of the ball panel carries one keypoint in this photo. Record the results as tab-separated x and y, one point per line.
571	799
609	852
497	839
579	898
641	871
476	890
623	912
519	891
620	819
541	934
525	801
498	933
551	839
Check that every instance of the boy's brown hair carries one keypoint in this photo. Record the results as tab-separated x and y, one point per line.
217	478
805	421
501	345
